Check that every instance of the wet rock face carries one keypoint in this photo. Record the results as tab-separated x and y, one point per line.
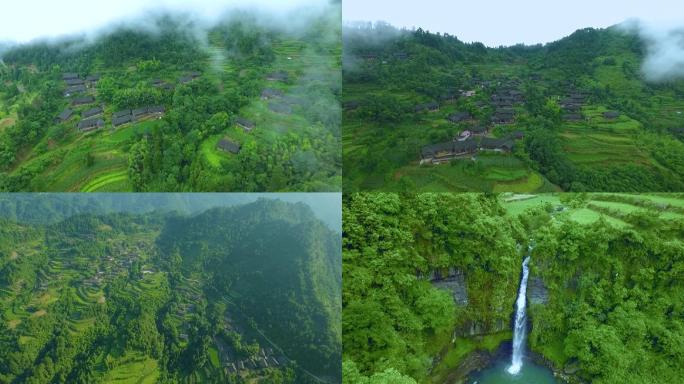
537	292
455	283
479	328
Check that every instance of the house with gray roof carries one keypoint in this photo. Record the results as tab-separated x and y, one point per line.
459	117
92	112
82	100
73	90
245	124
228	145
64	116
90	124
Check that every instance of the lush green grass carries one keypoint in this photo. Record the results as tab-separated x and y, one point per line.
670	206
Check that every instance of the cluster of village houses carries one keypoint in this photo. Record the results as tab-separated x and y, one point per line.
266	358
474	136
81	92
571	107
278	102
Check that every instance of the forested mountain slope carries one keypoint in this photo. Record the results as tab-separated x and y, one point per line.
233	295
430	285
576	114
249	103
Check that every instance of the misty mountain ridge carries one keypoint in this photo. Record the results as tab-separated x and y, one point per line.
53	208
173	102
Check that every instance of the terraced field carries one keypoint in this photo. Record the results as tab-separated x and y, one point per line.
615	209
601	142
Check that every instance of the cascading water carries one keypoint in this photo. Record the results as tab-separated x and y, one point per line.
520	322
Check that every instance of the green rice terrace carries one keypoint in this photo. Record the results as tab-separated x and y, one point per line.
237	106
426	112
150	298
619	210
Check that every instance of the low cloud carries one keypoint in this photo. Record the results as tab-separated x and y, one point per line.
664	60
22	23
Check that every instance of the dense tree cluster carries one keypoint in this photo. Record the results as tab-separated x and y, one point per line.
613	292
388	240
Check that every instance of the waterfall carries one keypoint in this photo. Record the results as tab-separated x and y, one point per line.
520	321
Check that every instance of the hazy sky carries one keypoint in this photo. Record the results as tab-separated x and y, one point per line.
507	22
24	20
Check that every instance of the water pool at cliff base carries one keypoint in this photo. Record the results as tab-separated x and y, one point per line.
497	373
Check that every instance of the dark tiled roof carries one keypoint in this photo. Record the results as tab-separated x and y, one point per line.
229	146
156	109
611	114
245	123
82	100
490	143
116	121
71	82
450	147
95	77
75	89
121	113
140	111
65	115
90	124
69	75
92	112
459	116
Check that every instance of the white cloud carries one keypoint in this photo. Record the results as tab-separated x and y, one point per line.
25	20
498	22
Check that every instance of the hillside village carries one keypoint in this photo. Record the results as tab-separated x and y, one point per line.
252	110
529	119
92	115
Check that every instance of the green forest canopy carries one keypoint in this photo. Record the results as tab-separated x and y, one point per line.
614	291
